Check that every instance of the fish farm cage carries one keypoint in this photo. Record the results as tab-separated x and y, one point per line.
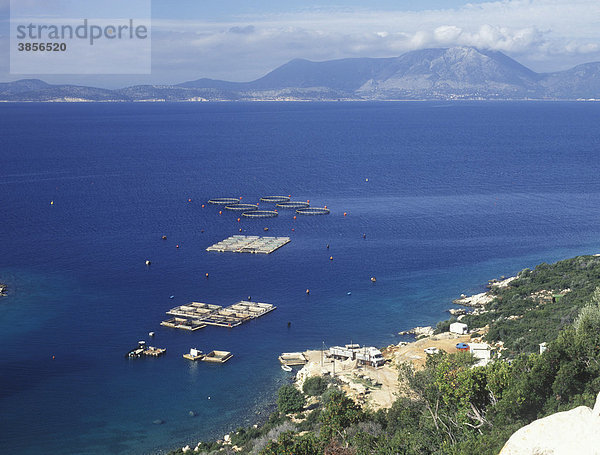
224	201
242	207
275	199
293	205
313	211
260	214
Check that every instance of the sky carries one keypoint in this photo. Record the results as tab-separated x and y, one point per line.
241	40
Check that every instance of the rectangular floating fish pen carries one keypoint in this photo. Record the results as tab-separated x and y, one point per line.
196	315
217	356
293	358
183	323
249	244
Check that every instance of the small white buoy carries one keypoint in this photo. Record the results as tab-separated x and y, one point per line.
148	262
150	334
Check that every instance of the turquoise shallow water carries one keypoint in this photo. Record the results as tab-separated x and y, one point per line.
456	194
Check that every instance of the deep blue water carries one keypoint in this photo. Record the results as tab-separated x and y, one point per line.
456	194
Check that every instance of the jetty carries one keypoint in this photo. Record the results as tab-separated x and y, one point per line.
196	315
249	244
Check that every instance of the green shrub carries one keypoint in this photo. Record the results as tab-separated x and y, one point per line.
290	399
315	386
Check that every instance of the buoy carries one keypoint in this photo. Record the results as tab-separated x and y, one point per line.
240	198
308	201
240	229
150	334
189	200
171	296
345	214
325	207
266	229
249	297
220	212
177	246
148	262
293	229
202	205
328	246
53	357
239	220
209	398
373	279
51	202
308	291
366	180
164	237
364	236
294	216
331	258
348	293
206	275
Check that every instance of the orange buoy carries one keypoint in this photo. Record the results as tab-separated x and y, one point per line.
202	205
189	200
221	212
325	207
308	201
52	357
294	216
293	229
239	220
308	291
331	258
206	275
345	214
240	198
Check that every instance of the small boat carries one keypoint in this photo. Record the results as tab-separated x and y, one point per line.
286	368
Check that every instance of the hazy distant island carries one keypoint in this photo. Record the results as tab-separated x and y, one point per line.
458	73
532	368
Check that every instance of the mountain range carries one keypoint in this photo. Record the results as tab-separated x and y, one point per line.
429	74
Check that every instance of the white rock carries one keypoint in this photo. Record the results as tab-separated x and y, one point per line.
565	433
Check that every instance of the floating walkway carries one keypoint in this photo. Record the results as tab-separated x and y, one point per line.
249	244
196	315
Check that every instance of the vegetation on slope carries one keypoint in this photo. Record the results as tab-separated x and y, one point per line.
453	407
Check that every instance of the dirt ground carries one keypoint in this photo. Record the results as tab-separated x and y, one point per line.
377	388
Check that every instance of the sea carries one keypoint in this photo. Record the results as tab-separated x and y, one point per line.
433	199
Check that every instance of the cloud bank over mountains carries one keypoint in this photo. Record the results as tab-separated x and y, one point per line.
545	35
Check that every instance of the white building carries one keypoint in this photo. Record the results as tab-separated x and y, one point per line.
459	327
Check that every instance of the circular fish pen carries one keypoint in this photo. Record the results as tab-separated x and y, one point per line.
313	211
293	205
224	201
260	214
242	207
275	199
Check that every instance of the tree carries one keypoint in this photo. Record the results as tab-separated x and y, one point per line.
290	399
315	386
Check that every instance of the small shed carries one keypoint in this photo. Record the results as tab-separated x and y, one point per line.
459	327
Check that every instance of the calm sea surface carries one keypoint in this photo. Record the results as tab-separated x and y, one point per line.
448	195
